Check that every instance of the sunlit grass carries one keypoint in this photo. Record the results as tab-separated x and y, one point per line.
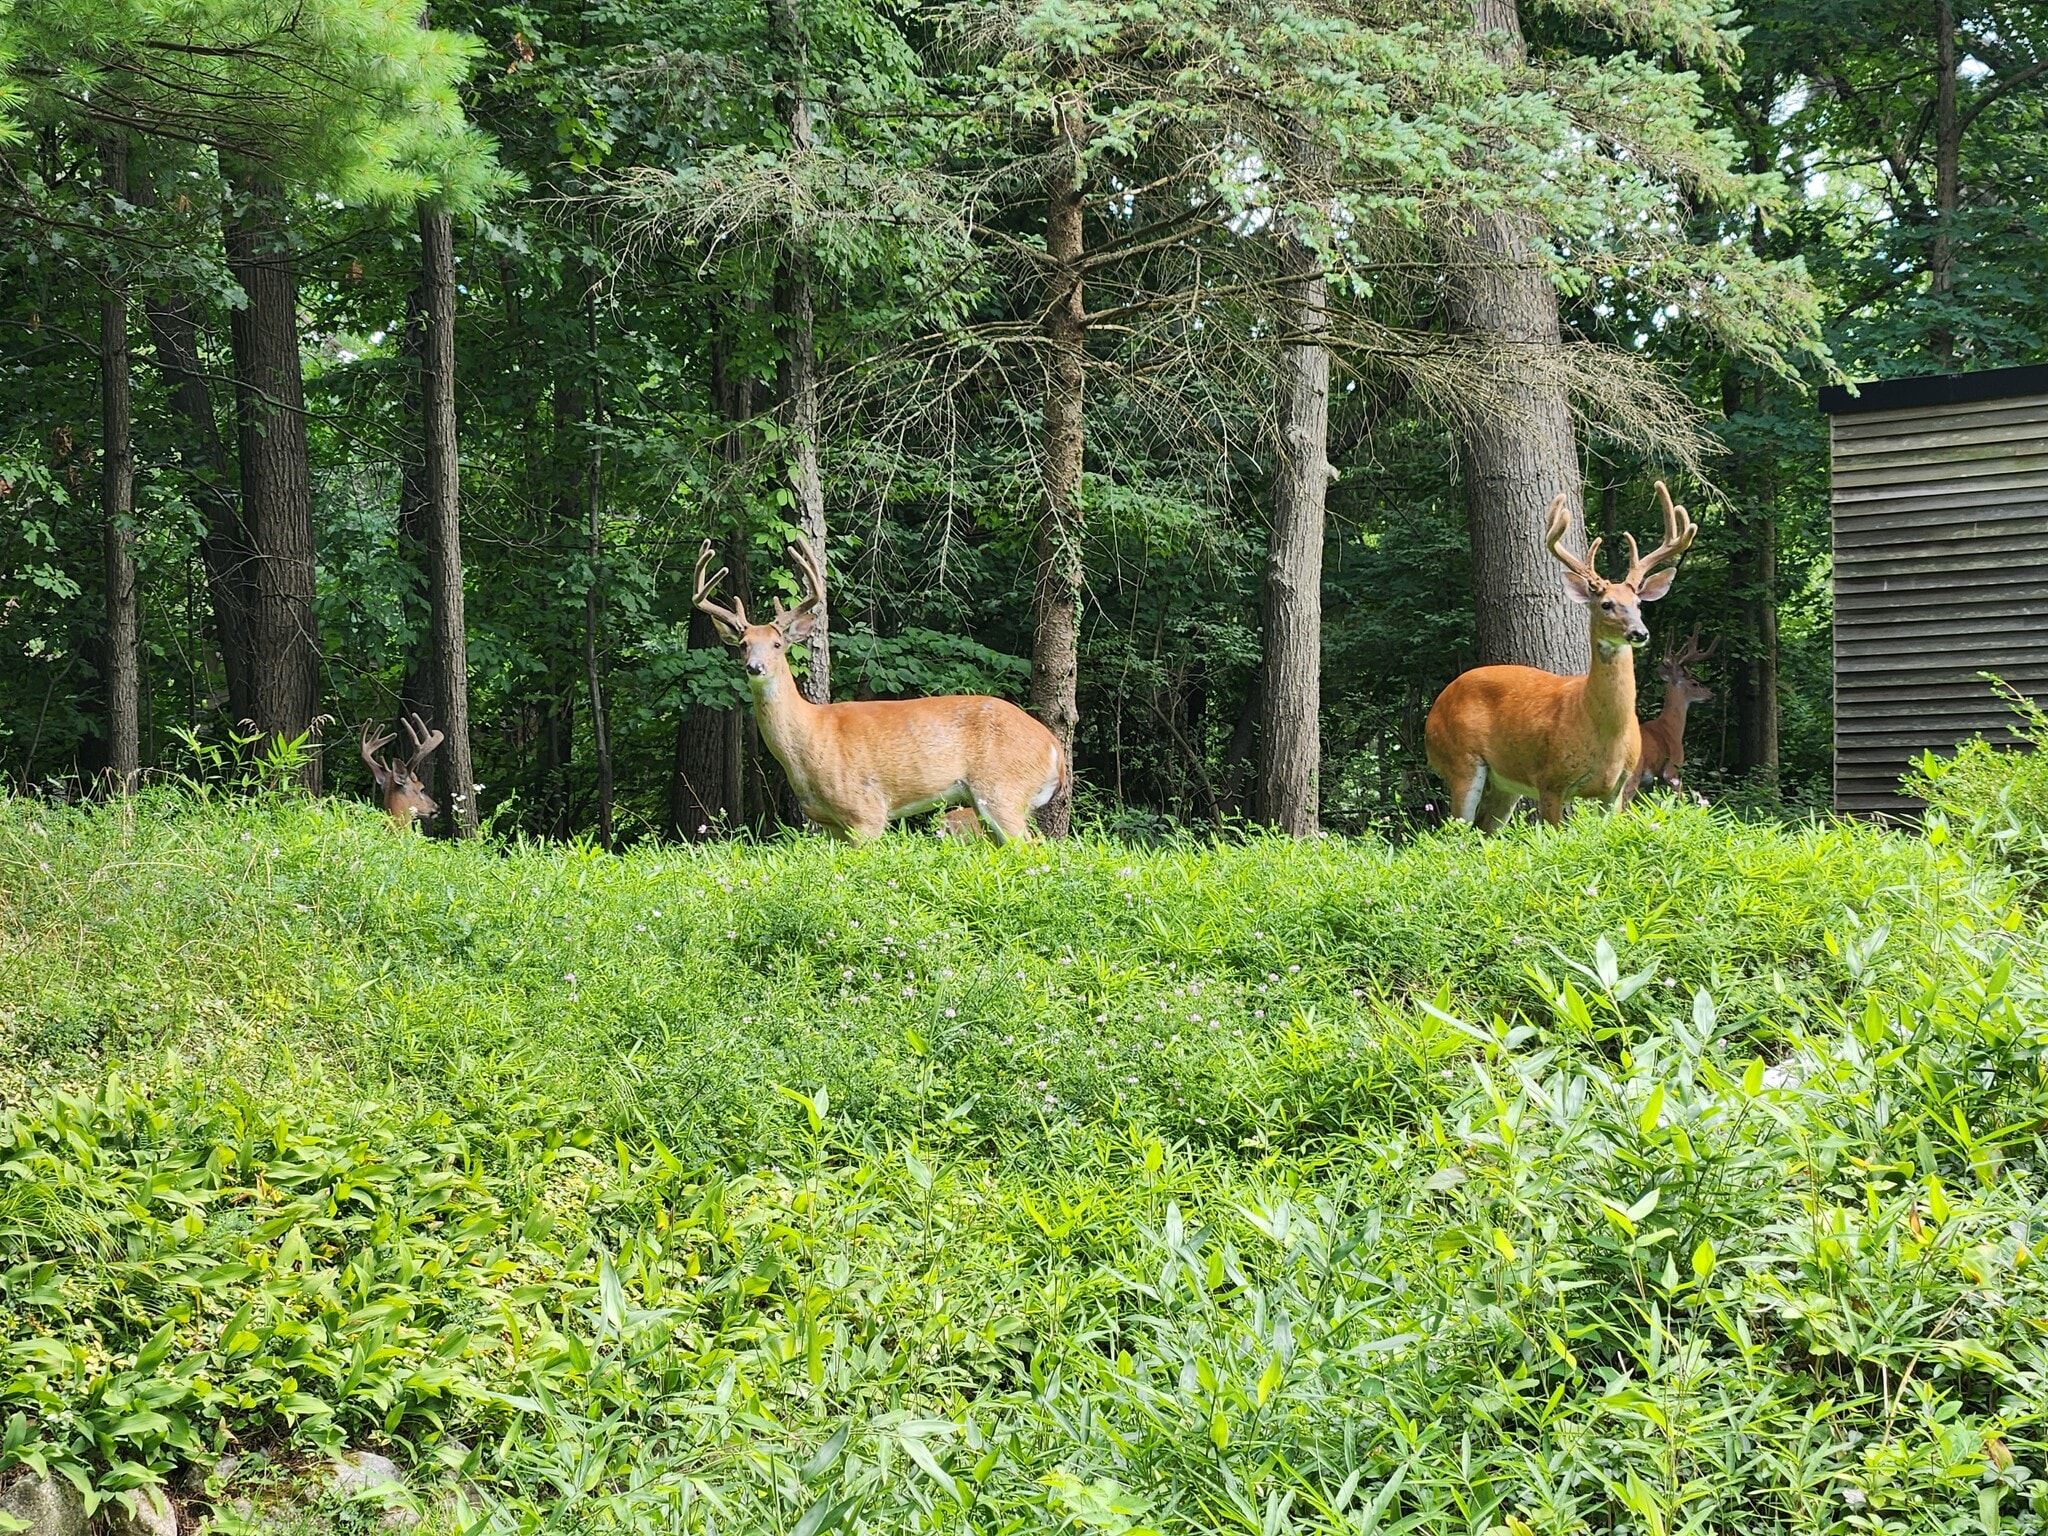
1660	1173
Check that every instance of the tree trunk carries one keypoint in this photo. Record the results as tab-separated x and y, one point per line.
443	521
593	596
1056	542
707	793
797	372
1520	455
1291	603
223	545
1948	154
117	507
277	495
416	690
1753	567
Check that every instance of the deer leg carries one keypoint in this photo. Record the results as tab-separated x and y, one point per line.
1016	825
1550	806
1492	803
1463	785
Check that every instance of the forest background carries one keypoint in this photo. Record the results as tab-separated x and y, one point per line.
1044	316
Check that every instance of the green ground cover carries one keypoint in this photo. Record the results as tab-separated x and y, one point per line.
1660	1174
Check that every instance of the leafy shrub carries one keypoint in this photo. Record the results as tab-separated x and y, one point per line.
515	1162
1995	797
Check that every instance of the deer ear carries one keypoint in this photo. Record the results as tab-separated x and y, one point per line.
801	626
725	631
1656	586
1576	589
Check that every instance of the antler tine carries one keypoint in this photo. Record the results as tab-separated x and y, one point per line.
1559	525
810	576
736	615
1679	530
370	743
424	741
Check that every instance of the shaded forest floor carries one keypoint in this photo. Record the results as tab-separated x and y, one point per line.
1661	1173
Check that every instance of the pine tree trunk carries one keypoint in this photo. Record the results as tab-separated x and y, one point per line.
593	594
277	495
1291	603
1948	156
117	507
1521	455
223	544
1754	565
1056	542
416	694
707	794
797	372
443	521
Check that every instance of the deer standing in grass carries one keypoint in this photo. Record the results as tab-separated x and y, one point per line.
1497	734
399	787
1664	734
858	766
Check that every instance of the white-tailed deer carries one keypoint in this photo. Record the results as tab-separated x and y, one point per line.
858	766
1664	733
1497	734
398	783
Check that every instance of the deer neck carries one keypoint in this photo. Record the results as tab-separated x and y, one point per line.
1673	712
1611	684
782	712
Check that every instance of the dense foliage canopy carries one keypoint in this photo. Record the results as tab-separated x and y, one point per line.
758	271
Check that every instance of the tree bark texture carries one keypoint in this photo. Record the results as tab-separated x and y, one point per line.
1753	570
593	596
1754	565
442	522
707	792
1948	157
117	507
277	494
1520	455
224	545
797	372
1056	542
1291	597
416	693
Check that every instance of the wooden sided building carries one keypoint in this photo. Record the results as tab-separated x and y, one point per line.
1941	568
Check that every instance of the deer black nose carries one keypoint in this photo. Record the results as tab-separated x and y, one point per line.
756	668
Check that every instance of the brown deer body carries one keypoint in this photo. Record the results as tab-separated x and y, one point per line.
1664	734
1498	734
858	766
399	787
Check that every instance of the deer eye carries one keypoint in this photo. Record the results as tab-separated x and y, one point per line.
1608	605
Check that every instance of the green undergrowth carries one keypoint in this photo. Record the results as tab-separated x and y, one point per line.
1661	1174
1995	797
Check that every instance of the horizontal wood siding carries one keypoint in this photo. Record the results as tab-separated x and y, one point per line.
1941	575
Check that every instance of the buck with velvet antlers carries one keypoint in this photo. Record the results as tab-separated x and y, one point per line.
858	766
399	787
1497	734
1664	733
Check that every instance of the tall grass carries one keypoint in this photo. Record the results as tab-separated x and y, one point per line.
1660	1174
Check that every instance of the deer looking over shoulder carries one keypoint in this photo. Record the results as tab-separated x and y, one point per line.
858	766
1499	733
1664	733
404	796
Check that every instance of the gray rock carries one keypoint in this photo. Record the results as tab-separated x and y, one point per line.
153	1515
50	1505
360	1473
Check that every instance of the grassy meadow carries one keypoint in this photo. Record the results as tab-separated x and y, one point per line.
1658	1175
